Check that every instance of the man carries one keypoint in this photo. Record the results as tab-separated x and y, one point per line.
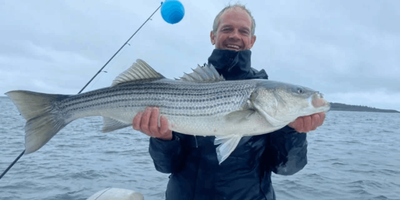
192	160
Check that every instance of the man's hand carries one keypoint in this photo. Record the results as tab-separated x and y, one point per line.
147	123
308	123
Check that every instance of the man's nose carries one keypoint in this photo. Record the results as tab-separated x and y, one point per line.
234	35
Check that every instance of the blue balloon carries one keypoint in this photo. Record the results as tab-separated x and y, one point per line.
172	11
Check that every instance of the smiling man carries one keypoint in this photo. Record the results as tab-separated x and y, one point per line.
231	30
192	160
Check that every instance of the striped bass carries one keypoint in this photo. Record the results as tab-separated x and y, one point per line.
200	103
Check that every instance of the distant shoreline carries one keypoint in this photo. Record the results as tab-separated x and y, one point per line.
345	107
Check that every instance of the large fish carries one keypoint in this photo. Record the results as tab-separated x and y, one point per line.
200	103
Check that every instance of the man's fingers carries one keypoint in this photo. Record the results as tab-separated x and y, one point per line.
315	121
153	123
164	126
147	123
308	123
165	133
144	123
318	119
296	124
299	125
322	118
136	121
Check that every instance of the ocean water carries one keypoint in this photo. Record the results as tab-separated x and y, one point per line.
353	156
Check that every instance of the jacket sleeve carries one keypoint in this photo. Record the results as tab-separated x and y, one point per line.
286	151
167	155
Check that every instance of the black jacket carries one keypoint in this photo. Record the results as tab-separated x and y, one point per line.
246	173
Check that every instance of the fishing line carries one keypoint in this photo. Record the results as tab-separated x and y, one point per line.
112	57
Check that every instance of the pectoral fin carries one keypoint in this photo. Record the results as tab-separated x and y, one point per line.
227	144
239	116
110	124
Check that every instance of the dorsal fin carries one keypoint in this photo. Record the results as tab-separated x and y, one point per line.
206	73
139	70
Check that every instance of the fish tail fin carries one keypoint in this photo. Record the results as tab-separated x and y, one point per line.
42	116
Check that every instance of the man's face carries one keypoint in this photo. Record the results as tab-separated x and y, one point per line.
234	31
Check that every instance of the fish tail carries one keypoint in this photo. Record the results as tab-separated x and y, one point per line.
43	120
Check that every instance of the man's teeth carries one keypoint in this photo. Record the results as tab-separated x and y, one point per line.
233	46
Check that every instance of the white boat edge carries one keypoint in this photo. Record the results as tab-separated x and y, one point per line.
116	194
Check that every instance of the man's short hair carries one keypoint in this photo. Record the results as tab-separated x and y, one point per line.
216	20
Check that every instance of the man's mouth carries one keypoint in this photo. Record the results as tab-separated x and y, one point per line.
233	47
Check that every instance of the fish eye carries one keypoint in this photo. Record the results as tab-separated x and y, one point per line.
299	90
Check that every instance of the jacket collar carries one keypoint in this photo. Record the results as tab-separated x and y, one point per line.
231	64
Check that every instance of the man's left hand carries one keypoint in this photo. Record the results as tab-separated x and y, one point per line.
308	123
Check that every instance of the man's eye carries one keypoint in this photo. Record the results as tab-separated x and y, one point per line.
245	32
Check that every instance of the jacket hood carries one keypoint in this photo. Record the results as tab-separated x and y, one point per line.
235	64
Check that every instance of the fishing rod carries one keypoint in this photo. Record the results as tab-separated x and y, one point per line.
101	69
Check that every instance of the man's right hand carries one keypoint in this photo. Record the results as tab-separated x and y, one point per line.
147	123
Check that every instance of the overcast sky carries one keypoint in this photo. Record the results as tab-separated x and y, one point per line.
347	49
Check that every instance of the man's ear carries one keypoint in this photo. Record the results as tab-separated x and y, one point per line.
253	40
212	37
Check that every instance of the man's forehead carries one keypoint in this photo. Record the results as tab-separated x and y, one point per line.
234	11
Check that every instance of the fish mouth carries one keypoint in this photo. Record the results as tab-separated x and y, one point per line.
317	101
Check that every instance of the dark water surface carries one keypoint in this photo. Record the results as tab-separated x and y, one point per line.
353	156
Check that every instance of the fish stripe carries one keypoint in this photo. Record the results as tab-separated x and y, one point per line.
186	100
